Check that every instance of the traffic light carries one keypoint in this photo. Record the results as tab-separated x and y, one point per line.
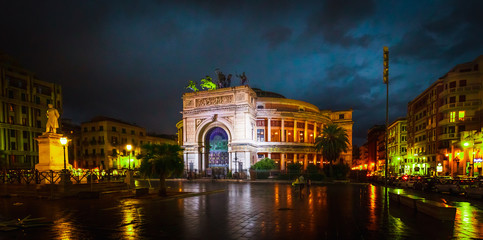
386	65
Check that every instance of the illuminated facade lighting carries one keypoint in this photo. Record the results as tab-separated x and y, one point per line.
236	120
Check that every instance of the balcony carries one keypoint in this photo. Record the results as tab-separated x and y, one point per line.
469	103
448	136
469	88
459	120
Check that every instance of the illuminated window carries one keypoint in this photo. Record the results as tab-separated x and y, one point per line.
452	116
275	136
461	115
261	135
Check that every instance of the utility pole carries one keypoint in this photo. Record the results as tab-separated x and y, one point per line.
386	81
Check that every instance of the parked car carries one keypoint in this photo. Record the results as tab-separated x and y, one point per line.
448	186
467	183
409	183
401	181
475	191
425	184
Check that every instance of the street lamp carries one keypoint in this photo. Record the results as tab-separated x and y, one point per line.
65	175
129	177
129	148
63	141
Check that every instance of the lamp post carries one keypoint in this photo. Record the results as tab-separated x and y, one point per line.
129	148
64	176
129	178
386	81
63	141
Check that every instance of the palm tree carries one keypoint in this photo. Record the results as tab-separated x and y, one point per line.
162	160
333	141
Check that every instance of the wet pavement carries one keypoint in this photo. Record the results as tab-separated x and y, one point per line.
244	211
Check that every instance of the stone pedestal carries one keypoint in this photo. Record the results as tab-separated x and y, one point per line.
51	153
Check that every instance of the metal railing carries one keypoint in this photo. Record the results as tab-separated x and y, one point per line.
54	177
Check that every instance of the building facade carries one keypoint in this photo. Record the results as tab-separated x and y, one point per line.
439	115
376	148
234	127
103	144
397	147
24	102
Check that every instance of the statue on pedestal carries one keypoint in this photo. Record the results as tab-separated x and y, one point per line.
52	117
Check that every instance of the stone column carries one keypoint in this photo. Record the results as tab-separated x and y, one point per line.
315	130
295	130
306	137
315	159
269	134
202	163
247	163
269	155
294	158
184	130
282	134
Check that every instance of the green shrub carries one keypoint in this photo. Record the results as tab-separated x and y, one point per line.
264	164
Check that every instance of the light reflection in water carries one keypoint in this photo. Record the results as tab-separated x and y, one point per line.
65	228
130	219
372	208
289	196
277	196
466	225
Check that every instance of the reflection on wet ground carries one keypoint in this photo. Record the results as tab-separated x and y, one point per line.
245	210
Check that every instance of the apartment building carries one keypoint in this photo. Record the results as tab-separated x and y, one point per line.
397	147
24	100
103	144
437	117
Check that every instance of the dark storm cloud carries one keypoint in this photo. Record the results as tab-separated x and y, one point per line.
277	35
336	19
446	36
132	60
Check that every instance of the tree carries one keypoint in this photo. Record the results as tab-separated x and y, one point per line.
162	160
332	143
264	164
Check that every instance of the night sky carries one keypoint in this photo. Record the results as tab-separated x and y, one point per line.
131	60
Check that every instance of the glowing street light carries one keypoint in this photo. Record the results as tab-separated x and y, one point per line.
129	148
63	141
65	175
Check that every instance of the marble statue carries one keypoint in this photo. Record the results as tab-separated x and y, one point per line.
52	117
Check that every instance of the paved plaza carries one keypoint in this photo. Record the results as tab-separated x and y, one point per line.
242	211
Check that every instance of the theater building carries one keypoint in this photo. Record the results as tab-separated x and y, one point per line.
235	127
